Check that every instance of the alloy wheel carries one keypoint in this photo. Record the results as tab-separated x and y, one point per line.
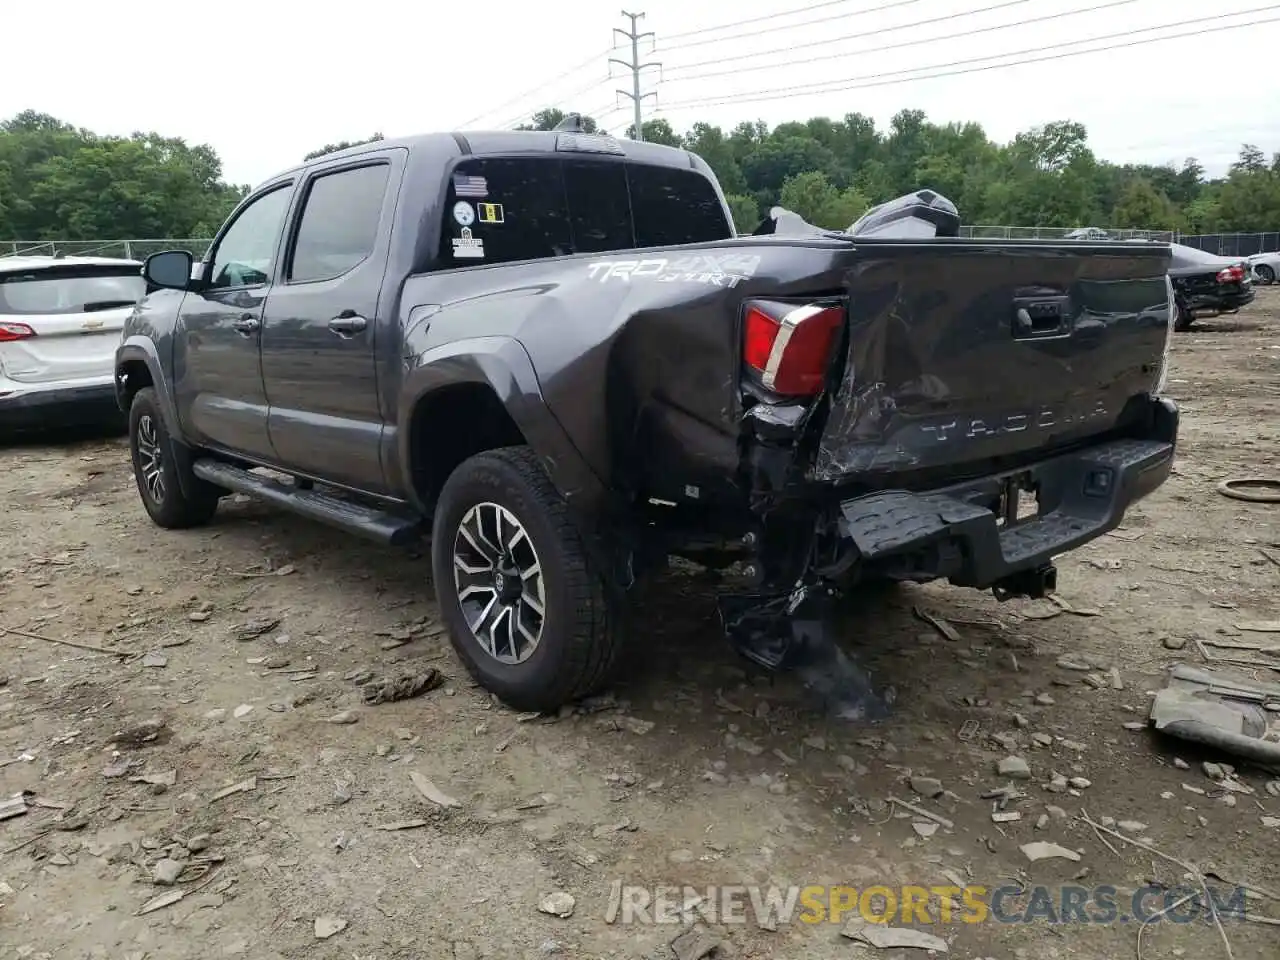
498	577
151	458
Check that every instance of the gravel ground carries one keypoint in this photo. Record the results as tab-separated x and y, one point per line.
696	771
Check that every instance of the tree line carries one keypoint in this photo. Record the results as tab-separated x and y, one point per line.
59	182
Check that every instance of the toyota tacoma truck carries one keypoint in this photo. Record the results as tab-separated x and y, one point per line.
551	354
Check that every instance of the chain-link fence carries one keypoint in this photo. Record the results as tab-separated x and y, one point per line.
1235	244
125	249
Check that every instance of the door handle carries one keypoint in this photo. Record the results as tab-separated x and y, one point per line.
347	323
246	324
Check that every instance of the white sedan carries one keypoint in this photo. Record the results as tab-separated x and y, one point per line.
60	323
1265	267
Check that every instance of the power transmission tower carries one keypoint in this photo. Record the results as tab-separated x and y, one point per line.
635	66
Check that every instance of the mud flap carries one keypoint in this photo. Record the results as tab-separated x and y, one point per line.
796	632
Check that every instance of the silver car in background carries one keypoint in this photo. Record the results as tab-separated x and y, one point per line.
60	323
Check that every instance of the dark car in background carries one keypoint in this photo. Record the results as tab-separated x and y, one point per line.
1206	283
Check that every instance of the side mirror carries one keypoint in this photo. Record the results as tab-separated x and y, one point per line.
170	270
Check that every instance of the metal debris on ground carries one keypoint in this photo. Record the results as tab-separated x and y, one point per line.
1230	713
402	825
15	806
404	687
284	571
1251	489
328	926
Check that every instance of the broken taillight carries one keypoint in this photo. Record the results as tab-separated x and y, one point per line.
10	331
1233	274
789	345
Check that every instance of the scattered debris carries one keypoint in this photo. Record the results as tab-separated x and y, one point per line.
154	659
92	648
1043	850
924	828
431	792
163	900
15	806
1174	643
1015	768
1259	626
252	629
138	734
560	904
327	926
284	571
404	687
939	624
1005	816
694	943
1218	709
344	718
402	825
244	786
922	812
927	786
165	873
883	937
165	778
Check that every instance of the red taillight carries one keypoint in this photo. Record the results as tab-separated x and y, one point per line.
789	346
10	331
1231	274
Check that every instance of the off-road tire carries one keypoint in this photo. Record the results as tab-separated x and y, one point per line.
184	500
580	645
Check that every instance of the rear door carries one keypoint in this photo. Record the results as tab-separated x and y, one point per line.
62	322
322	323
218	376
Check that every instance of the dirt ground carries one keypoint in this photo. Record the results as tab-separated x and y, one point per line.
699	771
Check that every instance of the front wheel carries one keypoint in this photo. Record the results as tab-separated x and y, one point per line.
1266	273
527	606
173	496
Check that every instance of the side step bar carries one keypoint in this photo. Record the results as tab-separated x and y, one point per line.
364	521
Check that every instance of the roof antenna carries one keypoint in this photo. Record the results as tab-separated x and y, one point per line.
572	123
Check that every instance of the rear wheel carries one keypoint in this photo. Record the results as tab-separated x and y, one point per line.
1266	273
527	607
173	496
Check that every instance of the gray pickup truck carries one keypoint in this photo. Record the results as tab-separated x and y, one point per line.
549	353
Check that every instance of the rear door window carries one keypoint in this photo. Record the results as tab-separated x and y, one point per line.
70	289
500	210
339	222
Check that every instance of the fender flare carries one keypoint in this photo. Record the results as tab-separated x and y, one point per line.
135	349
502	364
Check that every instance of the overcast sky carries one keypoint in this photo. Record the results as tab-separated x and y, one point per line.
266	82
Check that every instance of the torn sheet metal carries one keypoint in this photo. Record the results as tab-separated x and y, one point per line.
940	368
797	631
1221	710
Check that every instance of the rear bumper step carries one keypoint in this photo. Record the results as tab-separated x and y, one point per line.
364	521
956	533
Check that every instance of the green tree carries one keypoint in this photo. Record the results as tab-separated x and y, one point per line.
551	117
341	145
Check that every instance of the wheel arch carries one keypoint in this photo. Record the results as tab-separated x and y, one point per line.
137	365
475	395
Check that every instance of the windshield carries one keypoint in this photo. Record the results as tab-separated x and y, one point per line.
70	290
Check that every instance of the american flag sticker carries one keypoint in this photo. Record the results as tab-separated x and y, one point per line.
469	186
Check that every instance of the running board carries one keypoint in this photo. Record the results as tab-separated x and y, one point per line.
364	521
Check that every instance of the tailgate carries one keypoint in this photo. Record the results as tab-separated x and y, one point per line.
960	352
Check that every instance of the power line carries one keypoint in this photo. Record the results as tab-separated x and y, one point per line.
894	77
792	26
881	48
525	114
787	13
554	80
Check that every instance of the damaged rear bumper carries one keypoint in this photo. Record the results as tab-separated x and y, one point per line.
969	534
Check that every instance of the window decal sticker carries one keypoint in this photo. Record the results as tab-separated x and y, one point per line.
467	246
491	213
464	213
470	186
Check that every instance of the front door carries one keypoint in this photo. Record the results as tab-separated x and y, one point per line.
322	321
217	370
